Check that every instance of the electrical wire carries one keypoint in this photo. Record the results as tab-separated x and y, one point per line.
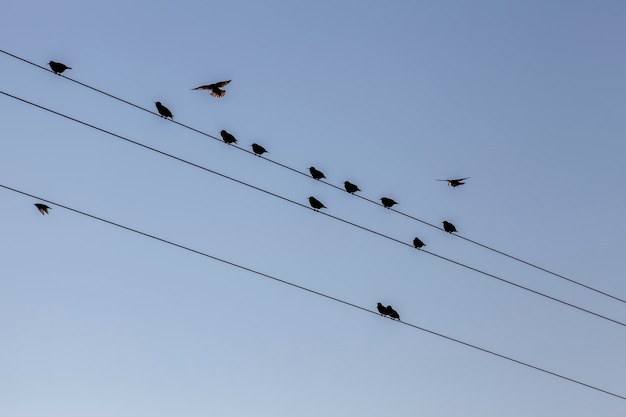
379	234
318	293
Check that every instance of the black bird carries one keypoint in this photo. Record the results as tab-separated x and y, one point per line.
318	175
227	137
57	67
316	204
43	209
456	182
163	111
351	188
393	313
418	243
382	309
387	202
258	149
216	88
448	227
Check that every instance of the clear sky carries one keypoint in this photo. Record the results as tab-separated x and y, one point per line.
527	98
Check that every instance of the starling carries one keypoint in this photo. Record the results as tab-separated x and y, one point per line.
163	111
448	227
57	67
387	202
43	209
227	137
393	313
456	182
382	309
351	188
418	243
258	149
318	175
316	204
216	89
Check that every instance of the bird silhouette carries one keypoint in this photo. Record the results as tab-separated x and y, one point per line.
387	202
227	137
351	188
382	309
163	111
57	67
418	243
43	209
318	175
456	182
258	149
316	204
448	227
393	313
216	88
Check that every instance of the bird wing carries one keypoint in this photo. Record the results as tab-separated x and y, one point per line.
221	84
204	87
460	179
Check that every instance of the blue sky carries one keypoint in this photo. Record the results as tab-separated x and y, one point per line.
525	98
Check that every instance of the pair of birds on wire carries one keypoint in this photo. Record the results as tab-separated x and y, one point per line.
216	90
388	311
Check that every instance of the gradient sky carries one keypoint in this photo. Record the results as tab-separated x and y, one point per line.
524	97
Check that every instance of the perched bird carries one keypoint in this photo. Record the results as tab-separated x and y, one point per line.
448	227
57	67
418	243
163	111
216	88
318	175
393	313
382	309
387	202
43	209
316	204
227	137
351	188
455	183
258	149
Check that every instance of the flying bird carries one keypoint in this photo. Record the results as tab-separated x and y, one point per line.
351	188
316	174
418	243
227	137
393	313
57	67
163	111
448	227
316	204
456	182
258	149
387	202
43	209
216	88
382	309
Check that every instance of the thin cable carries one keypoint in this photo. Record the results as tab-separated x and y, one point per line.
318	293
572	281
309	208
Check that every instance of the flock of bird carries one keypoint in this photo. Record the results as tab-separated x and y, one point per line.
217	91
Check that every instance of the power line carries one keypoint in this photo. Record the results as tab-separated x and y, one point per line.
379	234
570	280
318	293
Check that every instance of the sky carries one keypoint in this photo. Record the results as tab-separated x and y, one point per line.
524	98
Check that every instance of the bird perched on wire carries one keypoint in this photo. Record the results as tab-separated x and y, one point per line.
417	243
393	313
163	111
43	209
456	182
258	149
57	67
215	89
382	309
387	202
351	188
316	174
227	137
316	204
448	227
